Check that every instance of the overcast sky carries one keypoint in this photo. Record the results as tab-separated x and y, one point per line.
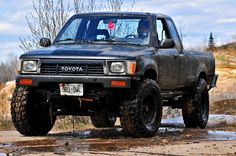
199	17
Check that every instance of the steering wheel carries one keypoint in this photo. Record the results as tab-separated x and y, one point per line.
130	36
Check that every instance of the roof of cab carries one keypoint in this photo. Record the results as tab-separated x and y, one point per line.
159	15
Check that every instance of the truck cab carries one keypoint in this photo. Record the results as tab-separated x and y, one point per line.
109	65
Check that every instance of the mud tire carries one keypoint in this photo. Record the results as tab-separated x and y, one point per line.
141	112
30	117
196	111
102	120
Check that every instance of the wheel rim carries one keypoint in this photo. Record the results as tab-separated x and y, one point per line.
148	111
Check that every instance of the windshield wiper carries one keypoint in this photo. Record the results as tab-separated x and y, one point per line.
112	41
136	44
119	41
74	39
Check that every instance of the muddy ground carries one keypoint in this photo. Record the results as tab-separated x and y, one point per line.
219	138
172	139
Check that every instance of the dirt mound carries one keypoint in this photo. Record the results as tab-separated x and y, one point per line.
227	46
1	85
224	107
5	94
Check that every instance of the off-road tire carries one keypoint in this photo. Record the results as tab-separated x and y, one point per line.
196	110
102	120
30	117
144	103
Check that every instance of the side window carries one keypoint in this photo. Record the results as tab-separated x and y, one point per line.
174	35
160	30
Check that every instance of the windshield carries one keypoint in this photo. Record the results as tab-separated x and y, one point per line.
105	30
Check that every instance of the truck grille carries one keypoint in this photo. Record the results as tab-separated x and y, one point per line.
72	69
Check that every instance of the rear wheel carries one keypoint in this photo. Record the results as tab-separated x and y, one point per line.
141	113
30	112
196	110
102	120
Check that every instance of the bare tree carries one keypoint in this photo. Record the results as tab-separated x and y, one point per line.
46	20
81	6
8	69
114	5
49	16
182	31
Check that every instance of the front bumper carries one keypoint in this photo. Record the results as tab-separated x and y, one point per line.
104	80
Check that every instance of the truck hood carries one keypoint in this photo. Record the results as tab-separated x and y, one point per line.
64	51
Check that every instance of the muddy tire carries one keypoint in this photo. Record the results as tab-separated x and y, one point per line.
30	116
102	120
196	111
141	113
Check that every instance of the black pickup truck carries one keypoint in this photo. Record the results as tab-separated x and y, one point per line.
109	65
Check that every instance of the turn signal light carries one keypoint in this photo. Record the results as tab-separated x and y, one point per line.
131	67
117	83
25	81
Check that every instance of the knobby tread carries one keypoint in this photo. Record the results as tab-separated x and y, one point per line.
193	118
130	114
23	116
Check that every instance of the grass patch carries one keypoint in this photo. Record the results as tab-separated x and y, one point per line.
70	122
224	107
62	123
6	125
220	58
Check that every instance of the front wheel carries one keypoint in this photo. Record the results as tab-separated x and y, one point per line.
196	110
141	113
30	112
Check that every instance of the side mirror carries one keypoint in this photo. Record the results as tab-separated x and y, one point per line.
167	43
45	42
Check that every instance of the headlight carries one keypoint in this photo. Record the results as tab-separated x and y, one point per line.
117	67
29	66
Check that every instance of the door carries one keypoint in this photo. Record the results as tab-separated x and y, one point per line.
172	61
181	56
168	68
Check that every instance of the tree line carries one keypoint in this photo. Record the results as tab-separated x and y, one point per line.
8	69
49	16
46	19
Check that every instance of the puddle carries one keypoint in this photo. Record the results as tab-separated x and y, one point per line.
109	140
113	139
221	135
7	144
6	154
215	120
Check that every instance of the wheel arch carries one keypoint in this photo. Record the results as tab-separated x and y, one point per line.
202	75
150	73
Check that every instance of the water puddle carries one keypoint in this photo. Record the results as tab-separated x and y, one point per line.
108	140
6	154
221	135
113	139
5	145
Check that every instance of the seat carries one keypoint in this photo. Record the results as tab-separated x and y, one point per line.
102	32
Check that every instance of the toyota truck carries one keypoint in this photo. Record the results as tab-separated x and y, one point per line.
107	65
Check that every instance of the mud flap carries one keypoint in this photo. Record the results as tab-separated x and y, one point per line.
213	82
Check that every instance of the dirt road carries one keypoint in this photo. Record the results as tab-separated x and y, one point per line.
172	139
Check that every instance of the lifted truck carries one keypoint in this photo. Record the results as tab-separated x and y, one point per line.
109	65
